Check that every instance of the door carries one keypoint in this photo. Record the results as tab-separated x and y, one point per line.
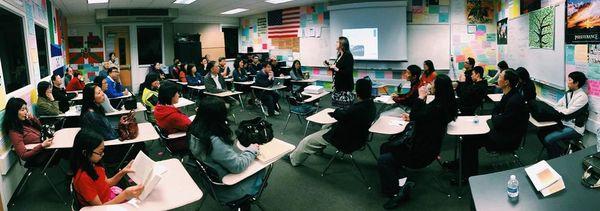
117	42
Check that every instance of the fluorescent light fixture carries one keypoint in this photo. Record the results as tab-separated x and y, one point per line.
184	1
234	11
278	1
97	1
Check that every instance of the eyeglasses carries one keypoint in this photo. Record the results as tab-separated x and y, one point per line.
98	153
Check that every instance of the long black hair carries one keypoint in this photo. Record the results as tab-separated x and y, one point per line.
344	44
11	119
86	141
415	72
236	64
150	78
210	65
42	87
189	69
166	92
444	97
211	120
430	68
523	75
88	101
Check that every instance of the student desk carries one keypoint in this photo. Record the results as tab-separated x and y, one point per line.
464	126
228	94
385	101
310	80
286	77
64	138
314	97
321	117
256	165
495	97
183	102
122	97
540	124
78	97
175	189
74	112
173	80
198	88
245	83
272	88
388	125
489	190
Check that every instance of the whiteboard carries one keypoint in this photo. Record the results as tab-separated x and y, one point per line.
544	65
313	50
429	42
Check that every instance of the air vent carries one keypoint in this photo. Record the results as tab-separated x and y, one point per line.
136	15
138	12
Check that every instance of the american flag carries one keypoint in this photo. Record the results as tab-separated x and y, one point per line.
283	23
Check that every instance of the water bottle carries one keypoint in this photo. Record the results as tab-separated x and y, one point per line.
476	119
513	187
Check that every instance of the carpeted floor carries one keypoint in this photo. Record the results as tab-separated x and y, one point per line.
303	188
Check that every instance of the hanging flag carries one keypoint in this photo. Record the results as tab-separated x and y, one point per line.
283	23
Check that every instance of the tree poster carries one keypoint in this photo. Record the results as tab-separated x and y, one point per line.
541	28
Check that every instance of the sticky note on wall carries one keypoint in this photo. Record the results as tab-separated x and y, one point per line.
581	53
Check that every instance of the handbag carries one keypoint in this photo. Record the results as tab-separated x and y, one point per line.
342	99
254	131
543	112
128	127
591	176
47	131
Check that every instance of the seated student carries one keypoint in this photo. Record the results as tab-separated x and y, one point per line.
269	98
182	73
192	77
223	68
46	105
239	73
211	141
68	75
502	66
60	94
411	74
104	69
214	82
296	71
430	123
428	75
508	124
149	91
275	66
22	128
76	83
101	82
255	66
155	68
525	86
169	118
574	110
203	67
174	69
114	84
92	113
91	185
465	76
349	133
470	96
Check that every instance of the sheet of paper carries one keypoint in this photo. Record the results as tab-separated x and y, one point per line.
142	166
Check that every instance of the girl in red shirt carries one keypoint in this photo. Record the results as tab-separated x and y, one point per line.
76	83
429	73
92	186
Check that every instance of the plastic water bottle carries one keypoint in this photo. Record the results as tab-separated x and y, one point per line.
598	140
513	187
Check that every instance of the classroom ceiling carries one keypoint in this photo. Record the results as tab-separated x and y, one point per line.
199	7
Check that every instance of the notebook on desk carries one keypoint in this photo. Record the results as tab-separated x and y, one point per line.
270	151
545	179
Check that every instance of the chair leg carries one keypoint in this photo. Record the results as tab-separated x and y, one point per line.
53	187
518	159
360	172
23	182
330	162
372	152
306	128
286	122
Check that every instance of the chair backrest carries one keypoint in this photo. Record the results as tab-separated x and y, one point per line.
159	131
292	101
75	196
207	182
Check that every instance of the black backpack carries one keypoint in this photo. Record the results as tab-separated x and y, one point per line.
254	131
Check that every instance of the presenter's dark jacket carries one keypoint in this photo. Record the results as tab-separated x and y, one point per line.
343	79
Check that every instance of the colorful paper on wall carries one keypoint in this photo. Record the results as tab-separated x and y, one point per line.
581	53
594	53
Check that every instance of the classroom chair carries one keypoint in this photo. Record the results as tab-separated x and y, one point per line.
163	139
573	145
75	205
258	102
299	109
209	183
31	167
349	154
512	152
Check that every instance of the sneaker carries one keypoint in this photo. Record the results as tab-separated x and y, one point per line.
276	113
266	114
402	196
450	165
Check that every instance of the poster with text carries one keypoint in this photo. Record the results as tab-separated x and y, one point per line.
583	22
502	32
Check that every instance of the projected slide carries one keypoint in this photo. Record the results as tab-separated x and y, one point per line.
363	42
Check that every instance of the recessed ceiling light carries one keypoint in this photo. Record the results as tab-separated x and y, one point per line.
184	1
277	1
97	1
234	11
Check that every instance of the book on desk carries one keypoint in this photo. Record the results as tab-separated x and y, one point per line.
545	179
271	150
146	172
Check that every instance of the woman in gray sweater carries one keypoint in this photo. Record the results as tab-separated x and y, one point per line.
212	143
